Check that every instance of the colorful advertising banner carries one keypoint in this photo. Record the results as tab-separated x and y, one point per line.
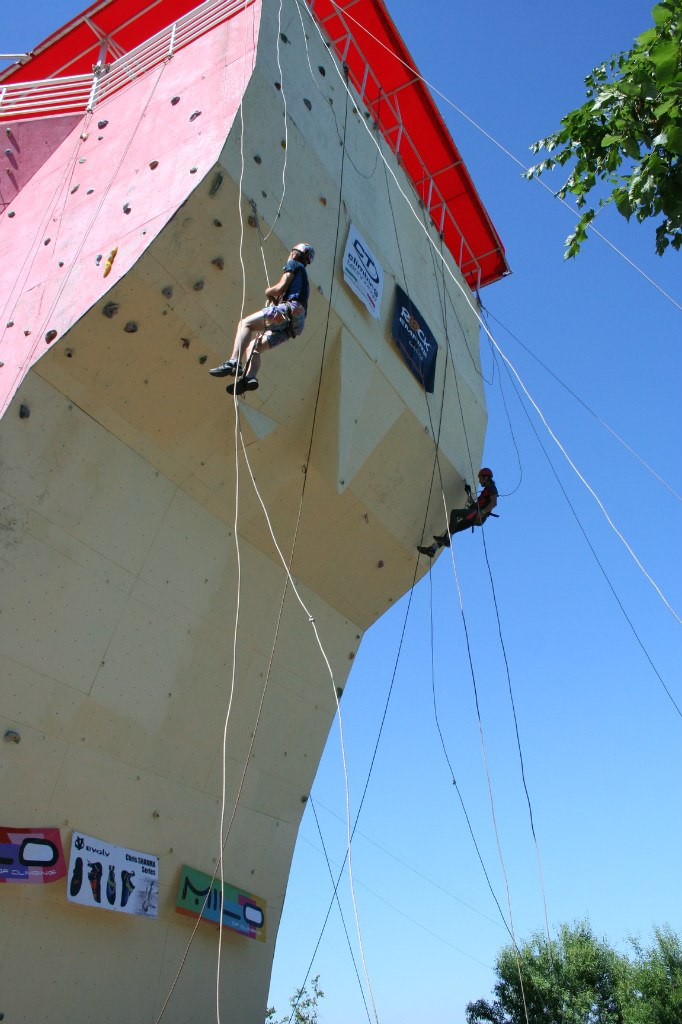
199	896
31	855
112	877
362	272
413	337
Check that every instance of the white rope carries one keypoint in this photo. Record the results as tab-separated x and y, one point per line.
311	620
413	71
286	126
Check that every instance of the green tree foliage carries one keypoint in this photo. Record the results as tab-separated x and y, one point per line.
580	979
303	1005
628	135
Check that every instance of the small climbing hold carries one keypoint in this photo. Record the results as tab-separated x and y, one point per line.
176	99
278	85
90	191
102	124
8	152
10	323
110	262
61	263
218	223
85	136
111	309
283	37
153	165
308	104
257	159
8	130
193	170
323	200
217	182
167	290
1	364
218	262
26	332
202	359
195	115
82	160
127	207
252	221
99	138
283	143
185	342
130	327
68	352
321	70
75	189
47	241
380	564
24	412
198	286
98	259
50	336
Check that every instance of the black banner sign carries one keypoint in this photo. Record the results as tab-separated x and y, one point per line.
414	339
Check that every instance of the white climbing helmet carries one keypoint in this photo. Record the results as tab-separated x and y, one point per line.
306	251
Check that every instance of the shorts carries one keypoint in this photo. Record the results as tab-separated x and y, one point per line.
282	322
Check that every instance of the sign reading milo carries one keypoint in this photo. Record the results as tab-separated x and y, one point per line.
199	896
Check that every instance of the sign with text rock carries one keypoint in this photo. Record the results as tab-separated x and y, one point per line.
413	337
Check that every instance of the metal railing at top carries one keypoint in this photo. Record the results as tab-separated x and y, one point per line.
79	93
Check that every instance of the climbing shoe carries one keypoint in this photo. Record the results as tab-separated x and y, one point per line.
443	541
95	880
430	550
76	877
242	385
230	368
127	886
111	885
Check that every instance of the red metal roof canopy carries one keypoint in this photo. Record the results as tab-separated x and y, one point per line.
379	66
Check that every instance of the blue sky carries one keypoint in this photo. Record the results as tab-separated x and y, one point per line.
600	738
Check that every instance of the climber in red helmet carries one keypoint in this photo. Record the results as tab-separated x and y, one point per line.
283	318
474	514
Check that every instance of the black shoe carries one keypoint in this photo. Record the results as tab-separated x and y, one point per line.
242	385
230	368
430	550
76	877
443	541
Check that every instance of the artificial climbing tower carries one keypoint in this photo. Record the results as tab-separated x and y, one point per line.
158	160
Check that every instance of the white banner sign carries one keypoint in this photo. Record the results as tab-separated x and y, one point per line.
362	272
112	877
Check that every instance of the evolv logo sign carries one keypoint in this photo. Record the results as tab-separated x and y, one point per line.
362	272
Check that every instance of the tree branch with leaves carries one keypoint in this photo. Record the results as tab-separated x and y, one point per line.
628	135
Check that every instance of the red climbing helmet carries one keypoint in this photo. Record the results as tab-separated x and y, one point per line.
306	251
485	472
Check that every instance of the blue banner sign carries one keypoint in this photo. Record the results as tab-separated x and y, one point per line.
413	337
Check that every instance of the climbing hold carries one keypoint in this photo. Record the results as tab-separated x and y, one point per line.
98	259
8	130
195	115
110	262
380	564
27	332
321	70
283	37
75	189
323	200
68	352
308	104
185	342
283	143
1	364
47	241
218	223
61	263
153	165
252	221
198	286
130	327
82	160
85	136
278	85
257	159
99	138
167	291
10	323
90	191
127	207
218	262
50	336
193	170
217	182
202	359
8	152
111	309
102	124
24	412
176	99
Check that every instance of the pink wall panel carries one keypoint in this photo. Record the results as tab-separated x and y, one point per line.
97	192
